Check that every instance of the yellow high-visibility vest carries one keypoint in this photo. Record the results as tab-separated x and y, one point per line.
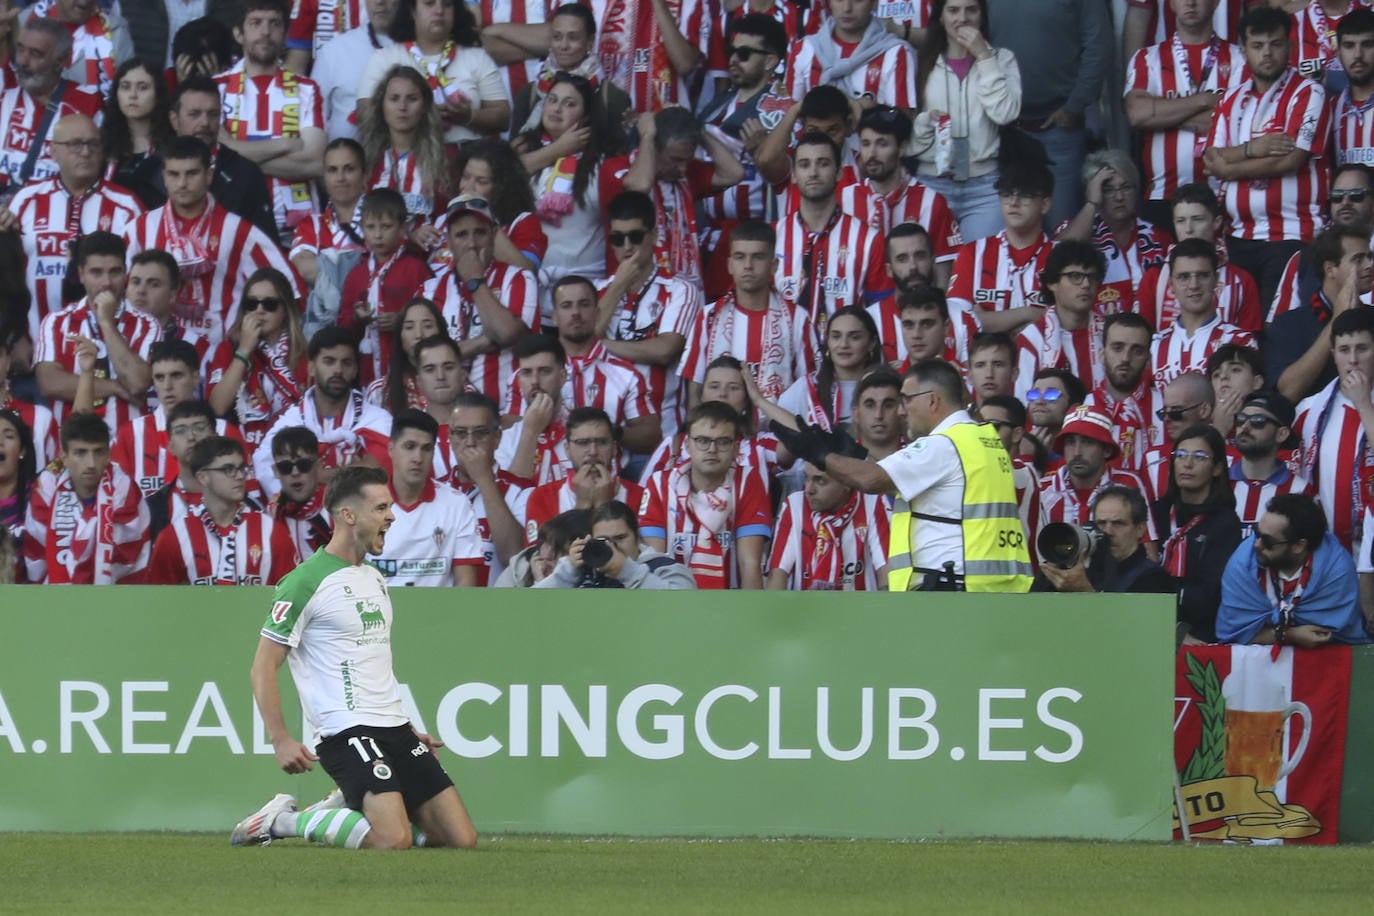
996	557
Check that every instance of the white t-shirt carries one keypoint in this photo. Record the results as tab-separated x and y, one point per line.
429	538
336	619
928	474
336	73
471	72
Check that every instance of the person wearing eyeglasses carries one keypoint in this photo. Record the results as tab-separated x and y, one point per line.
1110	221
1298	346
1068	333
1291	583
1187	401
1196	517
120	335
261	368
51	213
1126	393
140	446
708	514
1196	214
1052	395
223	540
300	504
1264	426
85	523
1185	345
1088	443
1173	84
591	479
1268	145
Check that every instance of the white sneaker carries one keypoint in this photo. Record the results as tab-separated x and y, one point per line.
331	801
256	829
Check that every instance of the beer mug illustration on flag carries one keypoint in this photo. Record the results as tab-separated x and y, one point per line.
1258	713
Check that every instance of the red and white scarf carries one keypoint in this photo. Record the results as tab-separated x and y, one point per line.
709	514
1174	555
89	534
826	530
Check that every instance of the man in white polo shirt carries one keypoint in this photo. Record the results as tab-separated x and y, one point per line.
434	540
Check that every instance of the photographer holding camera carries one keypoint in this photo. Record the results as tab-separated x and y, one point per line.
1107	556
615	557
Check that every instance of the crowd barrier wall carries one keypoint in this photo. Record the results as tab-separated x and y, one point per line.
609	712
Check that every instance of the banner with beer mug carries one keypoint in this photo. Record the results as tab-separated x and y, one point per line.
1259	742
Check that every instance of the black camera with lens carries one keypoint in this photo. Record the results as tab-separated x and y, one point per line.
596	553
1063	545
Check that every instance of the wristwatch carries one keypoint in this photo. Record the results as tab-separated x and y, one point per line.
472	285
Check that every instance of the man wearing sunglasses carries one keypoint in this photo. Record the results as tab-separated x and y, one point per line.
1264	425
1350	205
1053	394
1187	400
300	504
1185	345
224	540
1298	348
1291	583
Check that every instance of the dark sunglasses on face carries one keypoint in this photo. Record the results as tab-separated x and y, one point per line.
1269	542
268	304
1048	395
744	54
299	466
634	237
1174	413
1254	420
1354	195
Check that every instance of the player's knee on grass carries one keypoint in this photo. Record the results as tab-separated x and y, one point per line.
386	812
445	821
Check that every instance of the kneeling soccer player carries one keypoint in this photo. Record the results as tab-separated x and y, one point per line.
331	621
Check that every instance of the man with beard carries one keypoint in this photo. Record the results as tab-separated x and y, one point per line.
272	116
1068	333
100	40
1126	394
216	250
336	66
348	428
753	106
595	378
776	341
1088	443
591	479
1264	425
897	196
1350	205
1299	350
1354	125
1268	145
1291	583
30	110
224	540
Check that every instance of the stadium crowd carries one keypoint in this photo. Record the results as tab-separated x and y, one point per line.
569	273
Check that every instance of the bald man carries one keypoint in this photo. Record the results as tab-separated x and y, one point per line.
1188	399
42	214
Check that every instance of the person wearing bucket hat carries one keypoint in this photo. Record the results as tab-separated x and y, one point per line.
1087	440
1264	426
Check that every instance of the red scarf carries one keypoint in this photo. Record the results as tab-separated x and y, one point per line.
1175	553
825	530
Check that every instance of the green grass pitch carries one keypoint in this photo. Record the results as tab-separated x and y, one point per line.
200	873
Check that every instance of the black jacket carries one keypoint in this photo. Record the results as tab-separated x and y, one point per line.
1209	545
238	186
1136	575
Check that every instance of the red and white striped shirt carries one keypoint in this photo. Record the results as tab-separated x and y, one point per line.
308	523
556	497
511	491
320	231
139	331
1336	458
676	250
777	344
861	541
1354	134
216	252
842	264
269	108
514	288
751	198
596	380
1313	40
1175	351
402	174
663	305
1062	501
1148	248
1225	20
853	196
1154	469
40	422
1169	70
70	541
140	449
51	219
21	118
518	12
1287	208
669	512
314	22
914	202
270	387
992	275
253	549
756	454
796	22
633	54
963	325
1134	422
1237	298
550	453
1253	495
93	46
1047	344
890	77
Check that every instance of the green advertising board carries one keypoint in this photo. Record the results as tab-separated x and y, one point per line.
679	713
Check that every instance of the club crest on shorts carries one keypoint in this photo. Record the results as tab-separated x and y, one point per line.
381	770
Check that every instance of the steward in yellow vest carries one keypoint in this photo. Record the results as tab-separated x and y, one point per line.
955	525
